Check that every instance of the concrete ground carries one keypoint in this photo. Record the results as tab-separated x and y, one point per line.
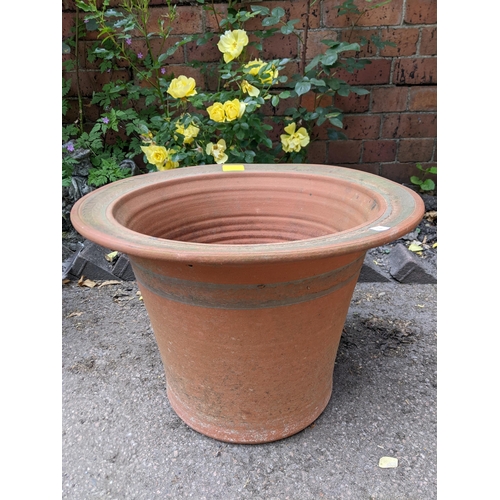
122	440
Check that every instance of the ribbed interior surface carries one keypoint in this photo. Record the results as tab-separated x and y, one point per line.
247	209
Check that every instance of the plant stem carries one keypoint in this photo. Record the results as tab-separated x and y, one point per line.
77	57
304	41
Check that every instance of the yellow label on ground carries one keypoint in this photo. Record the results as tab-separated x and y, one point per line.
230	168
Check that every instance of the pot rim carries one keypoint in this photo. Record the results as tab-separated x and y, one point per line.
92	216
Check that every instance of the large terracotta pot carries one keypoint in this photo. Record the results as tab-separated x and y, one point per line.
247	278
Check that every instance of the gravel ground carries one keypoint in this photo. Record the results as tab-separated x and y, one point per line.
121	439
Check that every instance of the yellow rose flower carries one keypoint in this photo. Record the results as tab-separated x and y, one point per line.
295	140
217	151
249	89
189	132
216	112
265	77
234	109
182	87
159	157
231	44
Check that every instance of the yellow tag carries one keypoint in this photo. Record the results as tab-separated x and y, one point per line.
230	168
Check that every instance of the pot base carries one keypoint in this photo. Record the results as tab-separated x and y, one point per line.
238	432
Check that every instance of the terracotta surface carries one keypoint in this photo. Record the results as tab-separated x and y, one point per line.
247	277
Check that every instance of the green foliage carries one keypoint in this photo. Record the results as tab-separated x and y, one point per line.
108	171
177	130
425	184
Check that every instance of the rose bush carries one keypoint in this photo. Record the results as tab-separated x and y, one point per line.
181	123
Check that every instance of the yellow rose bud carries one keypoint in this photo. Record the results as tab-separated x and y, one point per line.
249	89
216	112
295	140
234	109
217	151
182	87
231	44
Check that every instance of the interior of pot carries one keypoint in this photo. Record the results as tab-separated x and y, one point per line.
257	207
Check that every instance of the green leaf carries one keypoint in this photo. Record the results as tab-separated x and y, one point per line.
278	12
433	170
359	91
286	29
269	21
415	180
427	185
263	11
275	100
329	57
302	87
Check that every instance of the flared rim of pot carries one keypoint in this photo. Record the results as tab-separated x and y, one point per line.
197	213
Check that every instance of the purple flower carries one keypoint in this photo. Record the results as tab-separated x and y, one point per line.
139	55
163	71
128	41
70	147
85	21
105	120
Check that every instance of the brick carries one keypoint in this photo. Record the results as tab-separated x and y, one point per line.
316	152
418	150
187	22
423	99
415	71
389	99
416	125
123	269
311	100
190	72
344	152
377	72
421	12
399	172
279	46
362	126
203	53
379	150
68	21
371	273
428	42
353	103
406	267
406	40
387	15
91	263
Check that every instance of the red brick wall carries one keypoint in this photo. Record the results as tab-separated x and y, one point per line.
388	131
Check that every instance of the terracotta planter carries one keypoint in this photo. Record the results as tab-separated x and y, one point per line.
247	277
